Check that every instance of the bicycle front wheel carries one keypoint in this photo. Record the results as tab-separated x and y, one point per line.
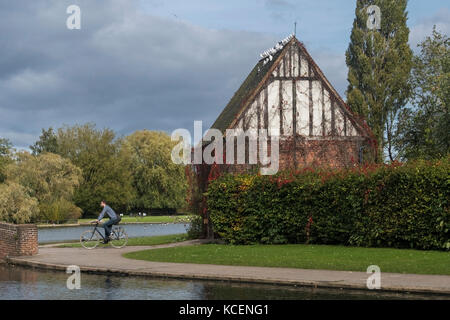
89	239
119	238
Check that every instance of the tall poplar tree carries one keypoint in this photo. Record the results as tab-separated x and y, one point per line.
379	60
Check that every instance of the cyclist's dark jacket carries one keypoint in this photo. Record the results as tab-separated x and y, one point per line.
109	211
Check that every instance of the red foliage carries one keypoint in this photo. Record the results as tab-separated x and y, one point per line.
214	173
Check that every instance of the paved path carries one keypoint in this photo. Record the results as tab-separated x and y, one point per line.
110	260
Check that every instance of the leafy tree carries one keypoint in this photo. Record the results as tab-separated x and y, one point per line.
5	152
5	147
51	180
379	64
159	183
424	128
105	170
47	142
59	210
16	205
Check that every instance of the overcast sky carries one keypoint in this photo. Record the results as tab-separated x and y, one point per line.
159	65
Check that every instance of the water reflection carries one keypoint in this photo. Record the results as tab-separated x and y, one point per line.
46	235
17	283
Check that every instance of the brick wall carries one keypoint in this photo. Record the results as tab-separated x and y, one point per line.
18	239
314	153
331	152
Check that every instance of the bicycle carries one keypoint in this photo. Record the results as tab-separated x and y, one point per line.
90	239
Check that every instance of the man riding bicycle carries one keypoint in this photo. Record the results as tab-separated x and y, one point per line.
113	219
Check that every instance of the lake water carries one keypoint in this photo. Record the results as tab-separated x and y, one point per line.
18	283
48	235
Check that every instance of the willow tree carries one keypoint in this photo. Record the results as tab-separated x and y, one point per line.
16	205
379	60
105	172
51	180
158	182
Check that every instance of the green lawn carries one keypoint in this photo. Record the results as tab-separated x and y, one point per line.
142	241
305	257
148	219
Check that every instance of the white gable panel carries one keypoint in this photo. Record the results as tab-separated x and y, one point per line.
302	107
304	67
240	124
327	113
251	118
262	107
274	106
287	108
281	68
339	121
351	131
287	61
275	72
317	108
296	62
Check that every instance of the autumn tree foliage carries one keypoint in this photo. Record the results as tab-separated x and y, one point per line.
156	180
105	176
16	205
39	188
131	173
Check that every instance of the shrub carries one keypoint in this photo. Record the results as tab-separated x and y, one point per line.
16	206
60	210
51	180
195	230
396	205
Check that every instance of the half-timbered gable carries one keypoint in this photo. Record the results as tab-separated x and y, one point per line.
287	94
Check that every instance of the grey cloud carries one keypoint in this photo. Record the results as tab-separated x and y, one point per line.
123	69
334	67
424	28
279	3
128	70
280	10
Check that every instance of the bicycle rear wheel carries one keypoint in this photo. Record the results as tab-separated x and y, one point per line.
119	238
89	239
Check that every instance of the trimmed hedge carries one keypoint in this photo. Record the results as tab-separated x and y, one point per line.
403	206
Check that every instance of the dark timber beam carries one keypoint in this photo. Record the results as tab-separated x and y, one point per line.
266	107
294	120
295	78
333	117
323	111
311	110
281	105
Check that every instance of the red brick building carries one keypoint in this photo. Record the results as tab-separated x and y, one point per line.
286	92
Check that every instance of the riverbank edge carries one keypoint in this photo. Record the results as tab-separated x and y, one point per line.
47	226
20	261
